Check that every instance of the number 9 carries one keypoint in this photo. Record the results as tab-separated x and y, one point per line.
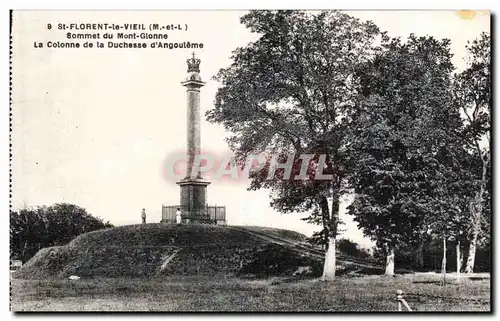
49	26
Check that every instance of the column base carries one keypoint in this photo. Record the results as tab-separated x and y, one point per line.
193	201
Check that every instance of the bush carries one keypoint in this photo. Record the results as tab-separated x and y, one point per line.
278	260
351	248
41	227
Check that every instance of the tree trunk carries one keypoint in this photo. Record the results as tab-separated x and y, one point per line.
329	264
330	267
23	253
475	221
324	243
469	268
459	259
420	255
443	264
476	211
389	265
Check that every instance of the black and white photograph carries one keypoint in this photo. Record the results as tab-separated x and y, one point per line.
251	161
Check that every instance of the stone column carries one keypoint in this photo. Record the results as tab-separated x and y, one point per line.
193	121
193	187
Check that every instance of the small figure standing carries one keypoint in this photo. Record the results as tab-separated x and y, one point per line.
143	216
178	216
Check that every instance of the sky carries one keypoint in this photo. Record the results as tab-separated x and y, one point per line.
94	127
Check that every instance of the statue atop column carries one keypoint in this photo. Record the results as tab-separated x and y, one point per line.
193	64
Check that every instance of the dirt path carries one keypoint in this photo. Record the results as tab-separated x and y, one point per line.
166	260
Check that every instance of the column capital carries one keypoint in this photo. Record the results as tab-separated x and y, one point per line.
193	80
191	84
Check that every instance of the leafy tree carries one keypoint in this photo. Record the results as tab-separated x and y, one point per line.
36	228
26	233
446	218
400	151
472	94
293	91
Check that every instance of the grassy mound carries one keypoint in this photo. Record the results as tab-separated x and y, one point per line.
141	250
277	232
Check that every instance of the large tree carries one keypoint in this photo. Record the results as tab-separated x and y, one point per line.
472	94
293	91
401	152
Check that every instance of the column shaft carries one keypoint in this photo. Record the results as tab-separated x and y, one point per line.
193	128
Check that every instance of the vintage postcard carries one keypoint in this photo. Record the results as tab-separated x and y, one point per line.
285	160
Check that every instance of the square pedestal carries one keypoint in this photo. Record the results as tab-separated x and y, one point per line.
194	201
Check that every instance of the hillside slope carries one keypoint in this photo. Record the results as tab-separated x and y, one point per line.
154	250
143	250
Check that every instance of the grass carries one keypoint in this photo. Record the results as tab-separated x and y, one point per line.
216	269
157	234
203	293
277	232
139	251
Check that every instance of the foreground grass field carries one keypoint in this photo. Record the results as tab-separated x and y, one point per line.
194	293
161	267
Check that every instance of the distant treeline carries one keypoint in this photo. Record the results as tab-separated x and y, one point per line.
429	255
34	228
426	256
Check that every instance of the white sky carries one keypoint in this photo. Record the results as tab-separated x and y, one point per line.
93	127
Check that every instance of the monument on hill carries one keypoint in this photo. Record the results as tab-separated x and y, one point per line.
193	203
193	187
